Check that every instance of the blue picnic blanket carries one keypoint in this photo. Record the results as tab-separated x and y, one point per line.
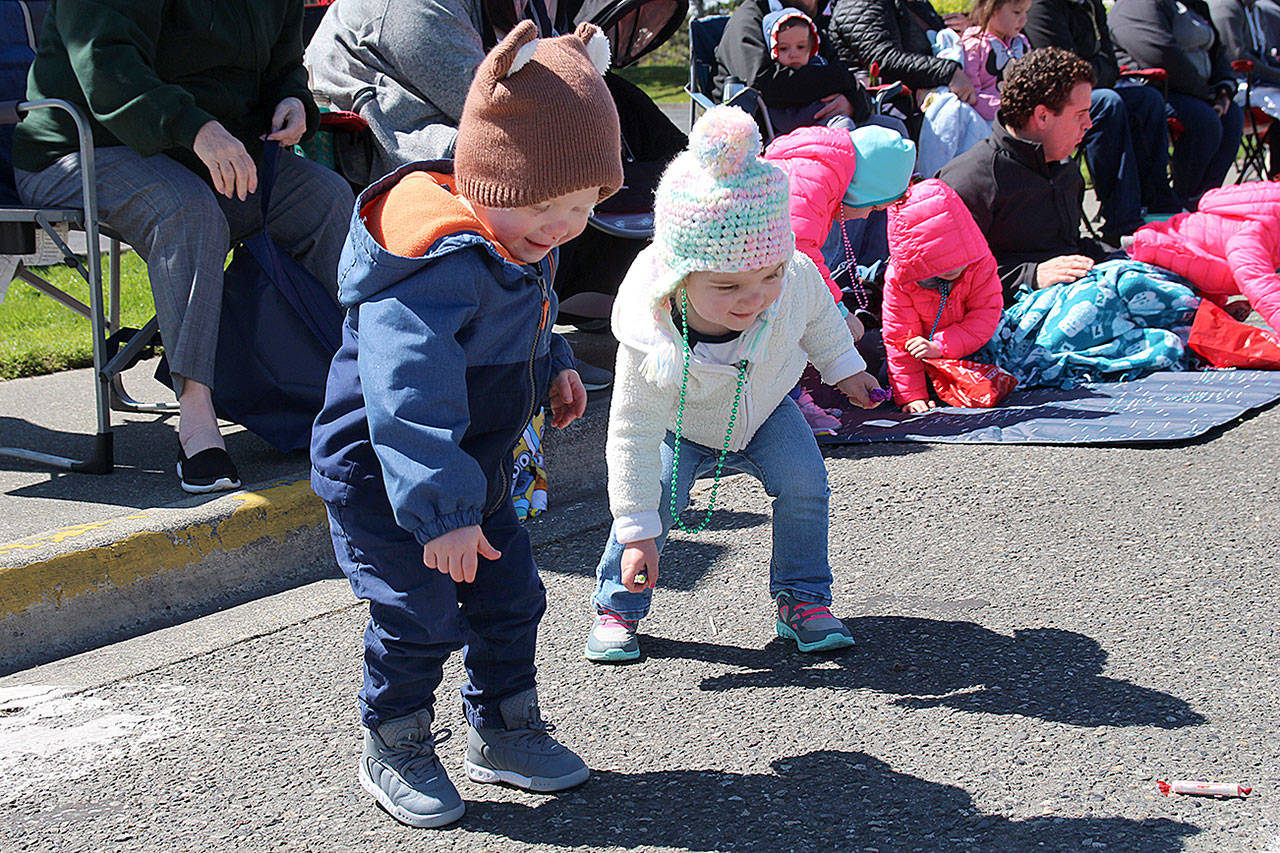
1163	407
1122	320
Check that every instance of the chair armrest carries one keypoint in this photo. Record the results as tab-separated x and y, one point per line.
1156	75
88	170
1242	66
9	112
698	98
342	120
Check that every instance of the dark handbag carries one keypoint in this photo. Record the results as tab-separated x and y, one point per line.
278	332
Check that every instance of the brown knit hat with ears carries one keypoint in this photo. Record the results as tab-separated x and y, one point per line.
539	122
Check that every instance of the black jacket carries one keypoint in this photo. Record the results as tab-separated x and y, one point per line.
892	33
743	54
1143	34
1079	26
1028	209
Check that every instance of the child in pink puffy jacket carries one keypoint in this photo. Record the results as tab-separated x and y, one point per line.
942	296
1229	246
994	40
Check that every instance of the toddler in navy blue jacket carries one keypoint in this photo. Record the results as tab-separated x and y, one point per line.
447	349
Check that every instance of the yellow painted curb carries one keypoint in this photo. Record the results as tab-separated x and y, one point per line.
270	512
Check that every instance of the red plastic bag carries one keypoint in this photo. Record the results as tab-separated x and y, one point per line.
1226	342
969	384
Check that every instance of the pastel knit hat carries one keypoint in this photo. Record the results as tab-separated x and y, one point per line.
538	121
885	162
719	207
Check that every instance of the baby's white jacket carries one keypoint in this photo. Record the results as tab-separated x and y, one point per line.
803	325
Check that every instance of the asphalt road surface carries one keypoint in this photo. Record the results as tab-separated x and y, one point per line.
1042	633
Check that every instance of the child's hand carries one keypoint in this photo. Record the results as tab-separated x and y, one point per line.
454	553
568	398
858	388
640	558
855	327
919	347
919	407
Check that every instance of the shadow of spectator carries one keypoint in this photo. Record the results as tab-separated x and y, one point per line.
1046	673
821	800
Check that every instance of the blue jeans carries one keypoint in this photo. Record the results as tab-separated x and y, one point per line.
418	616
784	457
1127	150
1203	155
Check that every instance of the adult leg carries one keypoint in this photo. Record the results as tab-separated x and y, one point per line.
1108	149
1149	133
1232	124
1195	150
171	218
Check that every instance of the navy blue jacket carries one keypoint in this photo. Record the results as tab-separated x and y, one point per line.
446	352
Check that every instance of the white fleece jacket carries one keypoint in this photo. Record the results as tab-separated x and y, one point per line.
803	325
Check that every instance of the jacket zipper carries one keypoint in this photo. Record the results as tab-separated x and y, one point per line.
533	391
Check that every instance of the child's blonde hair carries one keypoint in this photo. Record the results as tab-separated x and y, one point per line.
982	10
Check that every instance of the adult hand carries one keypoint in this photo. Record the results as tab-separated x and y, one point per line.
858	388
568	398
232	169
919	407
963	87
920	347
1060	269
638	558
836	105
288	123
1222	102
454	553
855	327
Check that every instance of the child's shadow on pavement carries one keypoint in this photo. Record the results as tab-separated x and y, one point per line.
822	800
1045	673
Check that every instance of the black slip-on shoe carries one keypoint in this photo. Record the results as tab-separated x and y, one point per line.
210	470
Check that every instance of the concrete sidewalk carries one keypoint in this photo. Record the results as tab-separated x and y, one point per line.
87	559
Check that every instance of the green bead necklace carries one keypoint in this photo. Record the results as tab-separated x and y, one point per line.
733	417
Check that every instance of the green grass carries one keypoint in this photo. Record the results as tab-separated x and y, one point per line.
662	83
38	335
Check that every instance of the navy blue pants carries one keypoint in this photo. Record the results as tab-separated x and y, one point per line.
418	616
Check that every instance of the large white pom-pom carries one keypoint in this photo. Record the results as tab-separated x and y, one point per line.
598	51
724	140
523	55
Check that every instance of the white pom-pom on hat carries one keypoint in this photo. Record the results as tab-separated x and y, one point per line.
724	140
598	50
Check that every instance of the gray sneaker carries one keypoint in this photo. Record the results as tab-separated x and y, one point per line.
810	625
523	753
612	639
400	770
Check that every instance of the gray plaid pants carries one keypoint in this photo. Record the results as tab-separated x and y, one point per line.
184	230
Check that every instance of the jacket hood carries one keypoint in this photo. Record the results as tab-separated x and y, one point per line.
773	22
819	155
932	232
642	318
1253	200
405	221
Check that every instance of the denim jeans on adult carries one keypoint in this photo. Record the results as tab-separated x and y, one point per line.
784	457
1110	148
1203	154
418	616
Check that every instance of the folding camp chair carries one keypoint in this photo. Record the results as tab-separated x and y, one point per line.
1257	124
17	236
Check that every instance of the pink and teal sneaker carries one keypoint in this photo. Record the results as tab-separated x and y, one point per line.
810	625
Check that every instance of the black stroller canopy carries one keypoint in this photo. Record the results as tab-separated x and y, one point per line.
633	27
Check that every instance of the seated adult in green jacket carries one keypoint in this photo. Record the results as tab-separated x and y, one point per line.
179	96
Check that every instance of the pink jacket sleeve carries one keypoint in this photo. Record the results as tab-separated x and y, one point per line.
811	227
1249	252
984	301
976	50
900	322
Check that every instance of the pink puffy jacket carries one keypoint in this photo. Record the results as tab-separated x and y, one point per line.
931	232
820	163
1230	245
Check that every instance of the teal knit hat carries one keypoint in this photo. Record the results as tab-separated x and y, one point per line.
883	168
719	207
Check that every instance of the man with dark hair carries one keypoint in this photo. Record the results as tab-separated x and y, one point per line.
1020	183
1127	148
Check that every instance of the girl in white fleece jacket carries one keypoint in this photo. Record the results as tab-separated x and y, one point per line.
715	322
